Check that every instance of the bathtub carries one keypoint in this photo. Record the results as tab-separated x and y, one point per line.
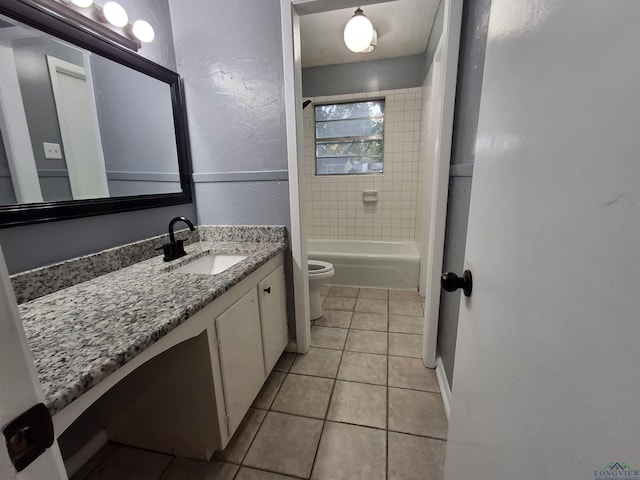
365	263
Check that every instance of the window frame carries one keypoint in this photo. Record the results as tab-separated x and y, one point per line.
348	139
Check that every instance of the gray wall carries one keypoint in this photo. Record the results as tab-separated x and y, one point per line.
475	25
137	130
230	55
370	76
31	246
40	109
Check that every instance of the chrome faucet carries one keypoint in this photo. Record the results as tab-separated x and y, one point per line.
175	248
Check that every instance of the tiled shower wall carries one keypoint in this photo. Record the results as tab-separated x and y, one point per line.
333	204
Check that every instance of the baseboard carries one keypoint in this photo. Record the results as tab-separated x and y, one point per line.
76	461
444	386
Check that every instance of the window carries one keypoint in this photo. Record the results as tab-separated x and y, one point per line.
349	138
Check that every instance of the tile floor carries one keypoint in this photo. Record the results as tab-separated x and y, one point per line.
359	405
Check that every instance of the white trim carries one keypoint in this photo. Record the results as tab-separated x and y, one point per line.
15	133
440	180
290	23
79	459
443	382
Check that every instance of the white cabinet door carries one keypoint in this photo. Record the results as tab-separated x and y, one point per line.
273	313
241	360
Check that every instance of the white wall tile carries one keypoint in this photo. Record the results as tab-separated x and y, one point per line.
334	208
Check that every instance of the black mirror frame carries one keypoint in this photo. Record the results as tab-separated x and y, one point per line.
33	14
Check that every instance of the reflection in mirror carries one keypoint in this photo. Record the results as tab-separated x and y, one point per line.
76	126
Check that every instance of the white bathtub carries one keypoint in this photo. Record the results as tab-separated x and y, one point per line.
364	263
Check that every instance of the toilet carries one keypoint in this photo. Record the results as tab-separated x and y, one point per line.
319	274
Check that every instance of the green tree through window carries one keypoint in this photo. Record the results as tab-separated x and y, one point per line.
349	138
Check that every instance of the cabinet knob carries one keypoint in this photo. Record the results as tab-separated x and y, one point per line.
268	290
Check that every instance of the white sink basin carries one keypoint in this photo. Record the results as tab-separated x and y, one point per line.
211	264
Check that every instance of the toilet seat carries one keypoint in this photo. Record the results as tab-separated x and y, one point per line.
317	268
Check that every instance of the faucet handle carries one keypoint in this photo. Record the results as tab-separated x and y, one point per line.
172	251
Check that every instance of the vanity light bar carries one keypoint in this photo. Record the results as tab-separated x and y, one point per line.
94	19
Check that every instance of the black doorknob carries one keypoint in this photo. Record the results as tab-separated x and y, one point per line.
450	282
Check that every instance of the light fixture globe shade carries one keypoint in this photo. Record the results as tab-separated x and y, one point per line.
82	3
143	31
115	14
358	33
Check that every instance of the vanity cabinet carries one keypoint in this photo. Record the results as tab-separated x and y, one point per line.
190	398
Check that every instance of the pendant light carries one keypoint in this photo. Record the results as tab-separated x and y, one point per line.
358	33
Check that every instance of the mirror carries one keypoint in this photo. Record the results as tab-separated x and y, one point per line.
86	127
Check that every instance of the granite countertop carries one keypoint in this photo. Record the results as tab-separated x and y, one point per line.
82	334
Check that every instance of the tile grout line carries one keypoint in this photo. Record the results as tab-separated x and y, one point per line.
387	392
324	421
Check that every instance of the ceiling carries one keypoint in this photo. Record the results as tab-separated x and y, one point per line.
403	29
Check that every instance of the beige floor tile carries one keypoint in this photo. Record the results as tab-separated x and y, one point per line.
415	458
405	345
371	306
374	293
335	318
351	292
251	474
370	321
126	463
285	444
328	337
404	295
285	362
420	413
324	290
406	324
242	438
187	469
405	308
367	341
359	403
350	452
411	373
269	390
363	367
339	303
303	395
320	362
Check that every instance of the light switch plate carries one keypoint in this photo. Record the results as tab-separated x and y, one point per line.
52	150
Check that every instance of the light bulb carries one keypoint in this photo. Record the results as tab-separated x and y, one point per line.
82	3
143	31
358	33
115	14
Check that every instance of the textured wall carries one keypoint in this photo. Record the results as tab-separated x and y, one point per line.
37	245
358	77
333	205
234	87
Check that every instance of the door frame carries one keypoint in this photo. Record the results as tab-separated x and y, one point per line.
448	47
15	133
290	12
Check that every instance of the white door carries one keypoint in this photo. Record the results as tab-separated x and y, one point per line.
19	387
547	382
79	129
